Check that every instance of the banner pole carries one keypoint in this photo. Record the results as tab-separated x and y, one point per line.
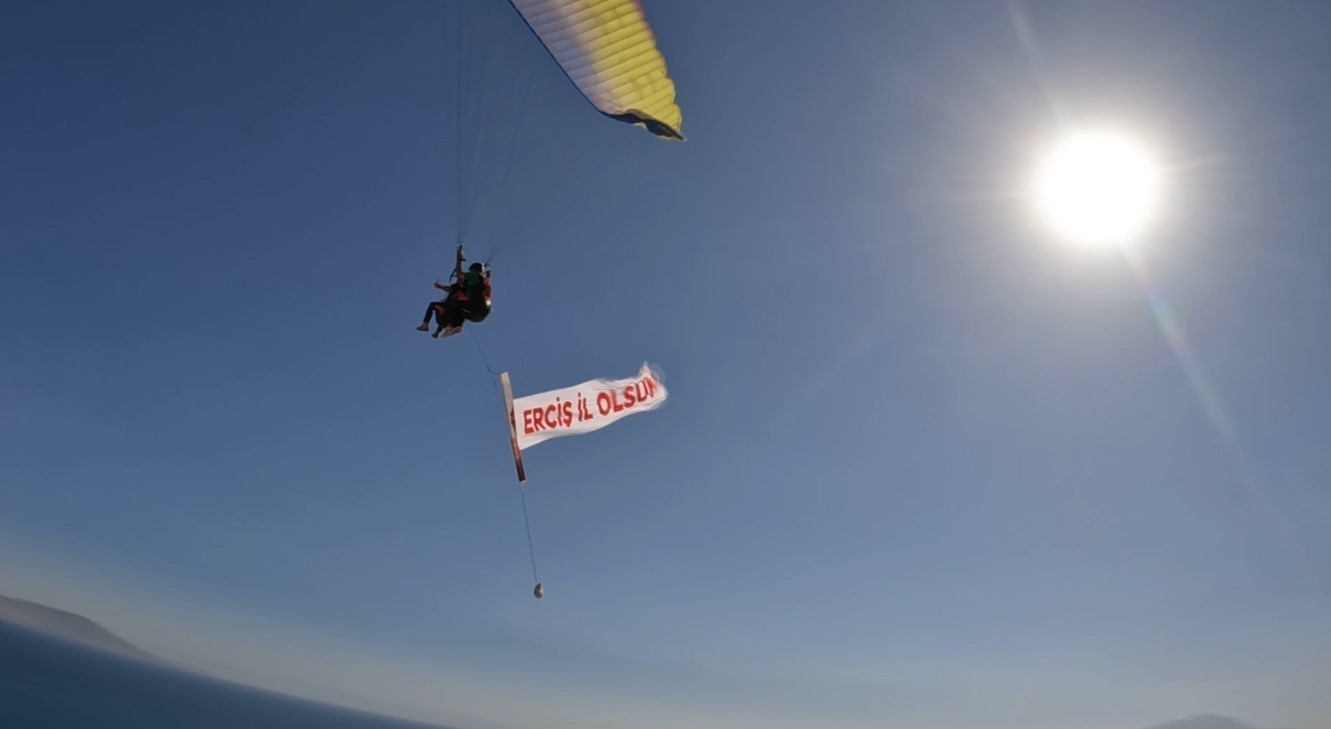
512	427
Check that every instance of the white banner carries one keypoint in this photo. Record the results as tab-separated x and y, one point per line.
583	408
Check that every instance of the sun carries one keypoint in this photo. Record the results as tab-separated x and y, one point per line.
1098	188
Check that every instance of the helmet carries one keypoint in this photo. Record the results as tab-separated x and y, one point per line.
477	267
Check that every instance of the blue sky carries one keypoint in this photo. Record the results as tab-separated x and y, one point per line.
922	464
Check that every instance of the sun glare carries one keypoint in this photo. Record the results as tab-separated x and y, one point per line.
1098	188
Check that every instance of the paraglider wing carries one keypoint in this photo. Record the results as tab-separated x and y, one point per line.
609	52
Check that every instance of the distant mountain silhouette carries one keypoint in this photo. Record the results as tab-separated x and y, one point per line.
1204	721
68	626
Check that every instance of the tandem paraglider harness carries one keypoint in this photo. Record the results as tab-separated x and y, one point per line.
472	299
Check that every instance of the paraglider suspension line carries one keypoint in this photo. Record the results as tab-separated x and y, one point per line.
458	182
481	350
531	550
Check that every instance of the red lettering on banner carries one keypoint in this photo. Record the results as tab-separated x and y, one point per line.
566	416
